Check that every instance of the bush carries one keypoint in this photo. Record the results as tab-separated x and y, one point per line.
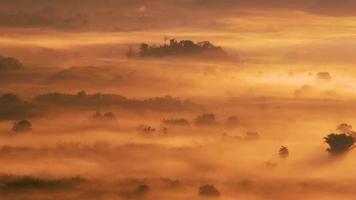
339	143
142	189
28	182
108	116
205	119
176	122
13	108
232	121
9	63
283	152
22	126
208	190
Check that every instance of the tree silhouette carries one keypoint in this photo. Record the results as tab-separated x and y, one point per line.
208	190
339	143
22	126
142	189
283	152
205	119
232	121
109	116
176	122
9	63
183	47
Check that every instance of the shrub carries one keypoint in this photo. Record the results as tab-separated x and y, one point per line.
339	143
205	119
176	122
9	63
22	126
142	189
208	190
283	152
232	121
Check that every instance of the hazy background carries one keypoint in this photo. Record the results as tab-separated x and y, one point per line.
289	77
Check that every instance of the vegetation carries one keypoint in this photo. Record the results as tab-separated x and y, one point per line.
345	128
9	63
176	122
339	143
166	103
13	108
142	189
205	119
22	126
108	116
283	152
146	129
232	121
208	190
177	48
28	182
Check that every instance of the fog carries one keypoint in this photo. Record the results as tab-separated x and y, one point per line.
177	100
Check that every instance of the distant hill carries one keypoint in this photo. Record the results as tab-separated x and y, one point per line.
9	63
179	48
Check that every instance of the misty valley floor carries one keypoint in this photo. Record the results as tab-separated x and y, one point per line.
177	100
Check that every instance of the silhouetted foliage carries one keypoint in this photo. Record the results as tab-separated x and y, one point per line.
97	116
22	126
205	119
147	130
13	108
106	117
171	183
166	103
324	76
81	93
10	99
109	116
176	122
232	121
251	135
208	190
178	48
142	189
283	152
164	130
339	143
28	182
9	63
346	128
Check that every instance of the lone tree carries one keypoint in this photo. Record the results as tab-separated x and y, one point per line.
339	143
283	152
22	126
